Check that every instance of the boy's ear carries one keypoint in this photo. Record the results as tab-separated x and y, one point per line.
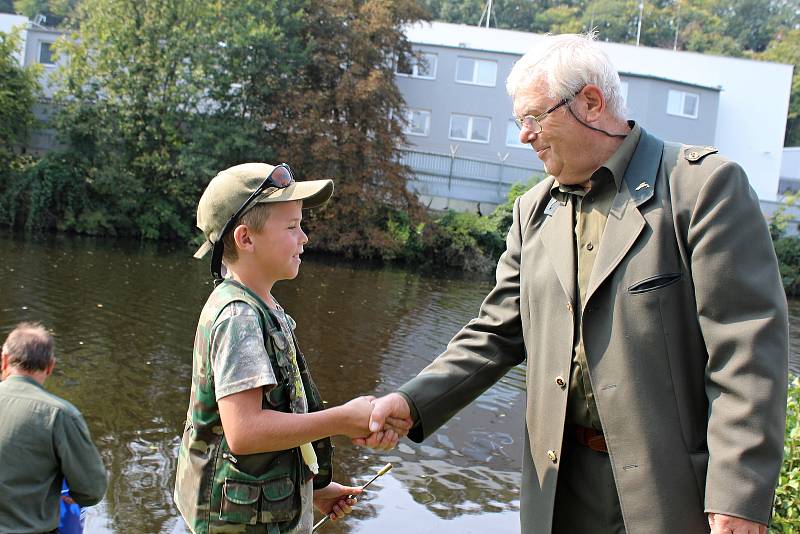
241	235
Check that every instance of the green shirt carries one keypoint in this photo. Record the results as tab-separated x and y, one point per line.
589	214
43	440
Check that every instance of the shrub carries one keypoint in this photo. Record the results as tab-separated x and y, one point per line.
786	514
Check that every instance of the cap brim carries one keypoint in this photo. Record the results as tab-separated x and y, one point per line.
313	193
204	249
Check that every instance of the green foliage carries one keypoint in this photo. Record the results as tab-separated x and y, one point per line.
148	102
786	514
328	102
785	48
461	240
158	96
503	214
787	247
18	91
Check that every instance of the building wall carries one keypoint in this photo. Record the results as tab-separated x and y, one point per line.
34	54
647	104
442	96
790	164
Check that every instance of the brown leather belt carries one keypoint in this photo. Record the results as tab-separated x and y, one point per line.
589	437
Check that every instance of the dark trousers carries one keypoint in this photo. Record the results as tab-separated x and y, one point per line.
586	495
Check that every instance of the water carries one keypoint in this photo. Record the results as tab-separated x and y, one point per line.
124	315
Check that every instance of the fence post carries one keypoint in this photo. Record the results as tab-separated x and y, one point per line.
453	150
500	177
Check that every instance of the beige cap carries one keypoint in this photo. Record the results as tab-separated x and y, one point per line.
229	189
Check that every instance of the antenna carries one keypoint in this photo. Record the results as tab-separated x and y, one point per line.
487	12
639	25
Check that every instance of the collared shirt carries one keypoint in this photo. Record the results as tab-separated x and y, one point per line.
43	440
589	214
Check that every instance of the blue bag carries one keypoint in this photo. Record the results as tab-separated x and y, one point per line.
71	519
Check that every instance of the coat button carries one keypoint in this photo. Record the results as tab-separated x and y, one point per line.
561	382
551	455
569	307
589	246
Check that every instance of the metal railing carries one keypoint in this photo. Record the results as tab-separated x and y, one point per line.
461	178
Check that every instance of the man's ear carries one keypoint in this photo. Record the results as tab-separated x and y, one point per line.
242	237
594	102
51	366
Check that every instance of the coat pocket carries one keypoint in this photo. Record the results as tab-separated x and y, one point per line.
240	501
654	282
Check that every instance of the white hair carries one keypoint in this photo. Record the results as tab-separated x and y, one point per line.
566	63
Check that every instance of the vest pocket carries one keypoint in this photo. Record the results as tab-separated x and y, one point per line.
278	500
246	499
240	501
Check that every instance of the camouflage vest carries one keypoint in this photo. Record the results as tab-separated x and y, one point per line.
216	491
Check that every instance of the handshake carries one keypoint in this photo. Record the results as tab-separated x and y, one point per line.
378	423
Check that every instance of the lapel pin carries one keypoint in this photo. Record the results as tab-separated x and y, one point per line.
643	185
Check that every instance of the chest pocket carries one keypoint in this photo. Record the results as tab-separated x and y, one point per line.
655	282
279	397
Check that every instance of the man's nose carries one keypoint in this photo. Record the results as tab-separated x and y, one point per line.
527	136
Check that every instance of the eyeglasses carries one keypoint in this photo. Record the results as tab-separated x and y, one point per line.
281	177
534	122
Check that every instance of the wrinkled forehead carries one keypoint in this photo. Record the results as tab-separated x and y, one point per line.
533	99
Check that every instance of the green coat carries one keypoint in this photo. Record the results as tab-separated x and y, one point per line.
686	335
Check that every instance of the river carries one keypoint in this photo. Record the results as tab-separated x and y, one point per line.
124	315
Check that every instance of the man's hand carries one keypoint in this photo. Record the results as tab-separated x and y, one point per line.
390	420
332	500
726	524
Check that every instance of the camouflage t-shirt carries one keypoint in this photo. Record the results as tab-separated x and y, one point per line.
240	362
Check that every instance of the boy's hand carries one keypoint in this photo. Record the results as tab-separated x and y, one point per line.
390	421
356	414
333	501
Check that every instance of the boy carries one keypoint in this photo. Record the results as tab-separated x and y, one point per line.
246	460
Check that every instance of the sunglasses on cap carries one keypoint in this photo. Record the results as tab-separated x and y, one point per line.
281	177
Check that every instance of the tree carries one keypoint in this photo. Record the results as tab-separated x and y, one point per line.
18	91
142	106
330	107
785	48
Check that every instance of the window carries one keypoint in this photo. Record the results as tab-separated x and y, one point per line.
683	104
624	92
418	122
476	71
469	128
46	53
423	66
512	136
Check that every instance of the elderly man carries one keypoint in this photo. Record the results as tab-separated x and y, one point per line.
43	439
640	282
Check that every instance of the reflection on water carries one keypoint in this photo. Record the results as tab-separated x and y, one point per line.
124	315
